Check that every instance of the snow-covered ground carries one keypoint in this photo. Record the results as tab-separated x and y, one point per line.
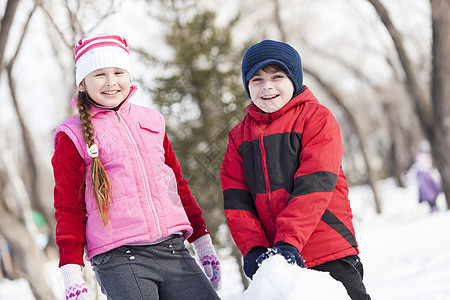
405	252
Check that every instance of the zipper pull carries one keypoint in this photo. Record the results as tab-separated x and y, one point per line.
118	116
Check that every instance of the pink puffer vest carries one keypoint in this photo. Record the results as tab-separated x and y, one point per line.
145	203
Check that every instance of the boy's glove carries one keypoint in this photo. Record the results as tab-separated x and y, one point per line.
289	252
74	283
208	259
250	264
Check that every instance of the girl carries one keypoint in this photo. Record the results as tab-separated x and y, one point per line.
119	193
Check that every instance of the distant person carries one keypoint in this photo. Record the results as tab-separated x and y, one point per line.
120	196
283	185
429	186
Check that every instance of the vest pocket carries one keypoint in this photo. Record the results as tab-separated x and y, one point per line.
152	137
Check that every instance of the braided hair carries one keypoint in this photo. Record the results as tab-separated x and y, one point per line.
100	180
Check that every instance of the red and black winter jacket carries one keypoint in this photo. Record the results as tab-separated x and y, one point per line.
282	181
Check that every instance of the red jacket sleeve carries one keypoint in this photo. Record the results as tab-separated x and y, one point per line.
190	205
70	215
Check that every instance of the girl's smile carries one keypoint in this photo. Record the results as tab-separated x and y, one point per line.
107	86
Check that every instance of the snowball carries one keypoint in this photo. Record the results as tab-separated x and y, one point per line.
276	279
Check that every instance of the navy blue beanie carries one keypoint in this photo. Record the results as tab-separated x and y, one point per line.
270	52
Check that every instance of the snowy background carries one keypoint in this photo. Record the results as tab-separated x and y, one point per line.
405	252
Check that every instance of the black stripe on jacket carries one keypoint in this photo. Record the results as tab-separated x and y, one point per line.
240	200
317	182
282	151
330	219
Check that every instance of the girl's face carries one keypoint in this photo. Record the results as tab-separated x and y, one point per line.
270	89
107	86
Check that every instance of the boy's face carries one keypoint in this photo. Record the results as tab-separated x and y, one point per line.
107	86
270	89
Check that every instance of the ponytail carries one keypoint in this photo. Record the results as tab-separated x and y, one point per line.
100	180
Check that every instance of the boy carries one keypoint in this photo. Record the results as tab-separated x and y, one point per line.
284	188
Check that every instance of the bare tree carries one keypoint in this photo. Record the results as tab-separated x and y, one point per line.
6	24
28	259
31	189
38	172
440	90
67	22
433	109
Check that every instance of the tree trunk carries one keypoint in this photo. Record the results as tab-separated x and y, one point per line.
435	117
28	259
420	101
38	167
440	90
21	231
400	155
6	23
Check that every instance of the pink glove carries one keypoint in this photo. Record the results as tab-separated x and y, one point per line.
74	283
208	259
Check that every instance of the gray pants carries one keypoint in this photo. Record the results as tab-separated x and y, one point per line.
163	271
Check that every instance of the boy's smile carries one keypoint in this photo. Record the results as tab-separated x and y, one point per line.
270	97
270	89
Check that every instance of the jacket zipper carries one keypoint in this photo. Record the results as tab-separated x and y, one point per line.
143	174
266	173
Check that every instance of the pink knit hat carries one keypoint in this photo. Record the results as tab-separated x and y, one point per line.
101	51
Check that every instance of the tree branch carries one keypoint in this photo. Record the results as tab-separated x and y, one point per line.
6	24
422	104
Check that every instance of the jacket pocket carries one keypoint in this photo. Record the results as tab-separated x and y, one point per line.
355	262
152	136
151	125
101	259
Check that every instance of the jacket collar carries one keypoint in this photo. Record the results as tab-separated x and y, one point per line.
263	117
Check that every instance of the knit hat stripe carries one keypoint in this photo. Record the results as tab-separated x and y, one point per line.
85	45
101	51
101	44
102	37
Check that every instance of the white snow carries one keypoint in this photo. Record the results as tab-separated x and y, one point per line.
405	253
276	279
15	289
